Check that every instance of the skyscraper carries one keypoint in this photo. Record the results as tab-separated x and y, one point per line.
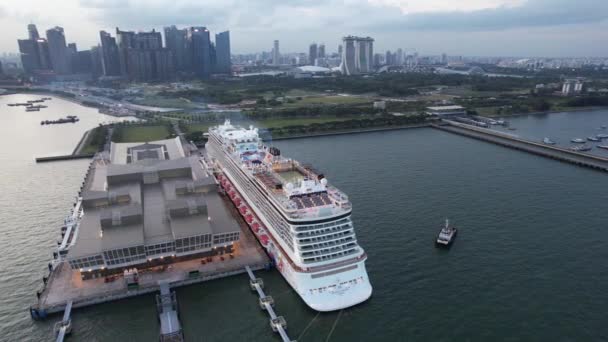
58	50
312	53
276	55
30	59
97	61
110	60
142	56
321	52
222	52
357	55
34	52
175	41
32	32
199	44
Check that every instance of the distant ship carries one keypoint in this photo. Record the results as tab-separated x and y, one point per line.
446	235
548	141
582	148
301	220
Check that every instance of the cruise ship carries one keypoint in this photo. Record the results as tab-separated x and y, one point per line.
297	215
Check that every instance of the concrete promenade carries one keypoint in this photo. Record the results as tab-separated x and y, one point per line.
65	284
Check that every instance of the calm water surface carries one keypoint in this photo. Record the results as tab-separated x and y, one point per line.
529	263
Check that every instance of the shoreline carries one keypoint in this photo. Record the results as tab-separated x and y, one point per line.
356	131
581	109
82	143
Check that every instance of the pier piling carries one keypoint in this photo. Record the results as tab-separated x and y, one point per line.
277	323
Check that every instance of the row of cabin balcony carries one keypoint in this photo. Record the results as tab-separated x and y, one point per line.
301	229
328	244
326	237
313	232
329	257
330	250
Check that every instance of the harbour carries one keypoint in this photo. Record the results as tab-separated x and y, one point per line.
572	155
434	171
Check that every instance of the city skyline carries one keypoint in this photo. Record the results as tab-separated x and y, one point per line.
545	28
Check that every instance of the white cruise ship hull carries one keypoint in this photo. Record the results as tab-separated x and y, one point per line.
330	287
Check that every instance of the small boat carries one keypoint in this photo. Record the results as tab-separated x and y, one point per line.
581	148
605	147
446	235
548	141
512	128
32	109
593	139
604	126
578	141
601	136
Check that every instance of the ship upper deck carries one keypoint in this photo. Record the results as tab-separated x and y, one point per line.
301	191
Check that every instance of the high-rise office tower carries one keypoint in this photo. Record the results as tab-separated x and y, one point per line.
399	57
32	32
97	61
340	49
125	41
222	52
276	55
44	54
321	52
30	59
357	55
142	56
58	50
199	44
312	53
110	59
175	41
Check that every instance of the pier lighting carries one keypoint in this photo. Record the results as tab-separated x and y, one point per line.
81	270
89	270
161	258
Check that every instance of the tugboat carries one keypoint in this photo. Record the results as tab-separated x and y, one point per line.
548	141
446	235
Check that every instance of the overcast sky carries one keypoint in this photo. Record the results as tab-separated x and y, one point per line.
457	27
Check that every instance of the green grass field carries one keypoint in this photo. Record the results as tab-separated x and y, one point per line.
270	123
141	133
327	100
162	102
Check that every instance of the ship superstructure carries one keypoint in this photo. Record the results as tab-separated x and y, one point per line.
298	216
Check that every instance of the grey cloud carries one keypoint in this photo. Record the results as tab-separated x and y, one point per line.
534	13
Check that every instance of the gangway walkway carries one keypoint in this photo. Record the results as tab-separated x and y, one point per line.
277	323
64	327
166	305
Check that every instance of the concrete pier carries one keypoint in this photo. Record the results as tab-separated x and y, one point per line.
511	141
66	157
65	285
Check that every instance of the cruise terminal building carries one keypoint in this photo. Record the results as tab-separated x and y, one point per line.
148	204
